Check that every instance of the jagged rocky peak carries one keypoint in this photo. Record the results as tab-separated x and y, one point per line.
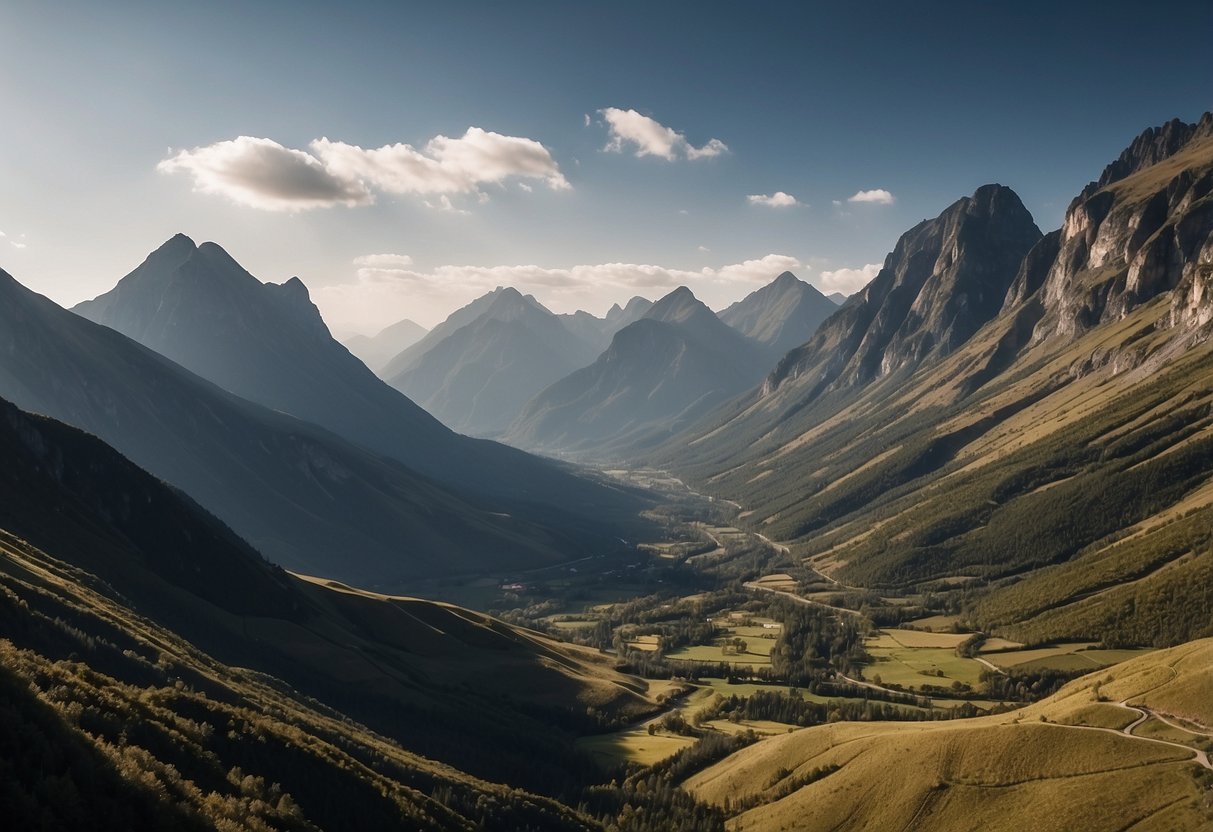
1143	229
945	278
1153	146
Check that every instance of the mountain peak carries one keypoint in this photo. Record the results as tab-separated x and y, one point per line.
785	280
679	306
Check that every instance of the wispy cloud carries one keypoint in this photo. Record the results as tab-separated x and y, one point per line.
879	196
779	199
261	173
847	281
645	136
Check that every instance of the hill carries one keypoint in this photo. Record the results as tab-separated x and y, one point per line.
478	377
659	374
1064	763
268	344
145	588
781	315
1037	429
377	350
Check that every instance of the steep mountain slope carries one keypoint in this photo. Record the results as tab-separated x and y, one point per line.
838	298
659	373
781	315
268	344
377	350
1061	764
139	566
1058	450
301	495
477	378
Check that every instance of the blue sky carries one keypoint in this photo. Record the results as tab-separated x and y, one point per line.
925	101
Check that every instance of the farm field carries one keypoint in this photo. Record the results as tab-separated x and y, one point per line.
1076	656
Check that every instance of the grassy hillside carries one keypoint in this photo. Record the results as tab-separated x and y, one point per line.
1061	764
112	720
459	686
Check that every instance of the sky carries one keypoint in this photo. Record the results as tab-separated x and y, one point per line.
404	158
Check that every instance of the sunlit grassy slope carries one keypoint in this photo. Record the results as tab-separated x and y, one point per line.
1044	768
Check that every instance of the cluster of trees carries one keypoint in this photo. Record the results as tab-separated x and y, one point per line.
813	642
791	708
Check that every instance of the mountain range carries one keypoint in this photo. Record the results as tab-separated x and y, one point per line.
302	495
1024	411
658	374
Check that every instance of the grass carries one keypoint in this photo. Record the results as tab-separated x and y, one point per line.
635	746
1005	772
913	667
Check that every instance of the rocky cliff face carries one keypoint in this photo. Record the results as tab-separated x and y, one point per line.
1142	229
945	278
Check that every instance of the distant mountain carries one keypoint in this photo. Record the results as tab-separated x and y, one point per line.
1031	412
477	377
599	331
104	563
303	496
838	298
376	350
268	344
781	315
659	373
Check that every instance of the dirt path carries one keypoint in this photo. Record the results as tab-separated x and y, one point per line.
989	664
1201	758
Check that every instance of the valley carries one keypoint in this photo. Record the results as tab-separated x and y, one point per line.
494	543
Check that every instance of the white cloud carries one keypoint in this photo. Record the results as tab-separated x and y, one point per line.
384	261
879	196
779	199
444	165
649	137
704	248
524	186
262	173
386	290
847	281
587	119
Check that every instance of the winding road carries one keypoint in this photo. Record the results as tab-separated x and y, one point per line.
1143	714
